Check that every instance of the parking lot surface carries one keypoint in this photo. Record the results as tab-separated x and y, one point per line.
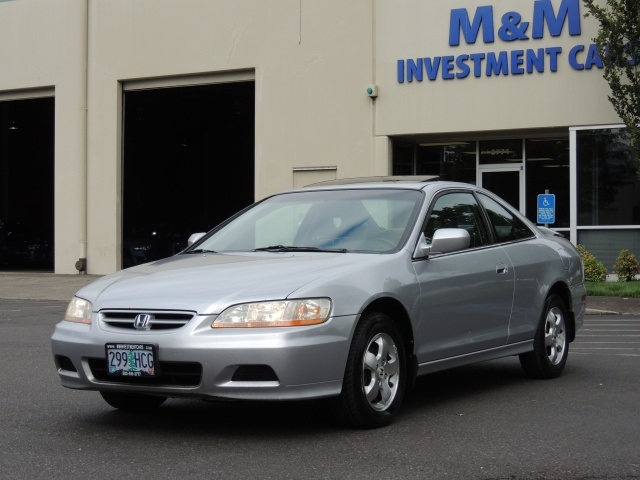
485	421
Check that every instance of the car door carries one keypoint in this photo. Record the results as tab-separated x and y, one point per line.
532	265
465	296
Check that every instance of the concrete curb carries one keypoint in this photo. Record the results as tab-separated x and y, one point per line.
594	311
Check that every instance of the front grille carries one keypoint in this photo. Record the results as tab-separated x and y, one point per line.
174	374
160	320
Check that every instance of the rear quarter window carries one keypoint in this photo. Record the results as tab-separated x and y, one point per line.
506	226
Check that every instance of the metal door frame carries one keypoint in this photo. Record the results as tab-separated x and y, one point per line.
506	168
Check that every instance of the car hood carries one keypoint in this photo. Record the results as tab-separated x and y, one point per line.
208	283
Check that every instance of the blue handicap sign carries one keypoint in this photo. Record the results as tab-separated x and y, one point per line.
546	208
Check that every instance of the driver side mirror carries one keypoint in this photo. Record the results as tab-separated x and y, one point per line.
194	238
445	240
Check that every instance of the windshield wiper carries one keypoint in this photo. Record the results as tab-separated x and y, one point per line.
290	248
198	250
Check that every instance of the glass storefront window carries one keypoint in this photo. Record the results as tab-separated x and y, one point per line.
548	169
403	158
500	151
456	161
608	186
606	244
546	160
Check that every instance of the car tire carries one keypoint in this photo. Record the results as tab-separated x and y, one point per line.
375	375
551	342
132	402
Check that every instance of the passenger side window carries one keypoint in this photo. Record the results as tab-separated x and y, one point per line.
506	226
458	210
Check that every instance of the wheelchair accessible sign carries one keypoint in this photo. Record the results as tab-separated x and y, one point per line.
546	208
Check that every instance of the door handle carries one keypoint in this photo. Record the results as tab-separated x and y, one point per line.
501	269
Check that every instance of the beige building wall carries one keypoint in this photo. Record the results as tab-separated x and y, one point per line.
311	61
43	54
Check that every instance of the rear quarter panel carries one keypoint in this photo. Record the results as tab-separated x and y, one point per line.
538	266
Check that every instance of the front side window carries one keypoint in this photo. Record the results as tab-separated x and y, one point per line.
506	226
458	210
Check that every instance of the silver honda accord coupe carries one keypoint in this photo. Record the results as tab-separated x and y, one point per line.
343	292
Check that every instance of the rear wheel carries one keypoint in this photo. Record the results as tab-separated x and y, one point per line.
551	342
375	375
132	402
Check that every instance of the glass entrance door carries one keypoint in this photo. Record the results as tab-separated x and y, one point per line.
506	182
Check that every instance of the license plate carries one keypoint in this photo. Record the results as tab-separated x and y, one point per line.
132	359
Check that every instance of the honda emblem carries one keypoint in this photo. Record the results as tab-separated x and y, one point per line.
143	321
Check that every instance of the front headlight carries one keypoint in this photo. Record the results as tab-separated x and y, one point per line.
284	313
79	311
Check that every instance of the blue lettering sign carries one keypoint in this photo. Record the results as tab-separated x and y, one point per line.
477	63
633	50
573	57
461	63
447	67
535	59
432	67
516	62
513	27
553	53
593	58
459	22
543	13
414	70
497	65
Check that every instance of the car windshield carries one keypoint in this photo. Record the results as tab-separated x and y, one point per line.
367	220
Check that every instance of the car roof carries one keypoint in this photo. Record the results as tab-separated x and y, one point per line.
412	182
395	179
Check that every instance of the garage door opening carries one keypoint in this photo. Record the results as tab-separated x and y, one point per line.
188	164
26	184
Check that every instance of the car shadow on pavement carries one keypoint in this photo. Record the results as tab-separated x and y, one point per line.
431	392
197	417
464	385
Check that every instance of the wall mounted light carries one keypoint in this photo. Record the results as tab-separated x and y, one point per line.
372	91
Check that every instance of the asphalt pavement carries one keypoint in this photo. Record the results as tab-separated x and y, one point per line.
49	286
41	286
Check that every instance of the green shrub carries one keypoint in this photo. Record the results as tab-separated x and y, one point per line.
594	270
626	266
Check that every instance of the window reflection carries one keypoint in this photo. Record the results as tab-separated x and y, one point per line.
454	161
500	151
608	189
606	244
548	169
403	158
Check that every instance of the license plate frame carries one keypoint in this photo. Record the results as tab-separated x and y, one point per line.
141	359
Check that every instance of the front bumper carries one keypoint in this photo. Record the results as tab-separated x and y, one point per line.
308	362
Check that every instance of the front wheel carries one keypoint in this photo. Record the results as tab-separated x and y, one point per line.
375	375
551	342
132	402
